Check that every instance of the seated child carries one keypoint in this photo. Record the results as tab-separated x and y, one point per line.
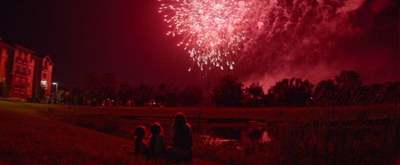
140	143
156	148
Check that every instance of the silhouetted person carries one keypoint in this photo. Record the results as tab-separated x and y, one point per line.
156	148
181	138
140	143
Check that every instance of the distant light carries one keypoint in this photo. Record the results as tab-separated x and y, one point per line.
43	83
54	83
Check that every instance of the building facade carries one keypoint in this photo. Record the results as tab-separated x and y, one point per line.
4	52
43	76
24	74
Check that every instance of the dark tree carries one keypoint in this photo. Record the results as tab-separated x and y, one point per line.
142	95
160	93
89	90
76	96
254	95
325	93
108	89
172	98
369	94
348	80
166	96
63	94
100	89
349	87
41	97
293	92
3	89
190	96
391	92
125	94
228	92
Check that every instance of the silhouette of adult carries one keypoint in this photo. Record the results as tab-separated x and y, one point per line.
181	138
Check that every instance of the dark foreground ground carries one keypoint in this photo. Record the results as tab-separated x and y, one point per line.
52	134
27	137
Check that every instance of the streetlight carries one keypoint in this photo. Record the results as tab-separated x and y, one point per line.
55	99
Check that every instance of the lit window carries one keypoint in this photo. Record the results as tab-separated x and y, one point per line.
43	83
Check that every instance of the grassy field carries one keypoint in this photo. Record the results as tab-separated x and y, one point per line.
54	134
28	136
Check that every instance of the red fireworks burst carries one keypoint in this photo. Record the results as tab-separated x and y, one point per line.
213	32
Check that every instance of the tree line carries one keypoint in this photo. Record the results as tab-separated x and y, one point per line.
106	90
346	88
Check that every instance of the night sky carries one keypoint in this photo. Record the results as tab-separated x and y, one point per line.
124	37
127	38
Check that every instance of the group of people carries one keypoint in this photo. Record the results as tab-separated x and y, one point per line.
155	147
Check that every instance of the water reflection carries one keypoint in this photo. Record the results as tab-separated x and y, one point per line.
246	136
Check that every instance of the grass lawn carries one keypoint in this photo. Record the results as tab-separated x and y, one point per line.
27	137
58	134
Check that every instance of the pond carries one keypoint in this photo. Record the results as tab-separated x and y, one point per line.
220	136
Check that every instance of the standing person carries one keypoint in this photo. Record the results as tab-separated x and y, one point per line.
181	138
156	148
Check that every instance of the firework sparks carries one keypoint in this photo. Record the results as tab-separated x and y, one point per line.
213	32
225	33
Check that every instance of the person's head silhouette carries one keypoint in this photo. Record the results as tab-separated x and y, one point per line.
180	120
140	132
155	129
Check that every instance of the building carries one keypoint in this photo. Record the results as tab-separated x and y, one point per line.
24	74
43	76
4	52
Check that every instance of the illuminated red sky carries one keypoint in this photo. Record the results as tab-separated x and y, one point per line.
127	38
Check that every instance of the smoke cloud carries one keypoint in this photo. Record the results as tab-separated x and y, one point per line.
316	39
